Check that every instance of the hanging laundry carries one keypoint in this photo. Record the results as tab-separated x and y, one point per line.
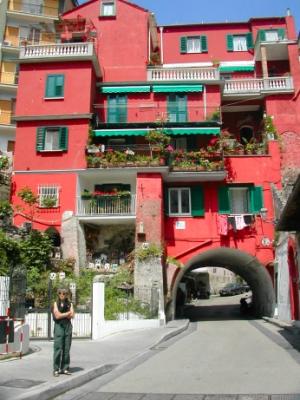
222	224
239	222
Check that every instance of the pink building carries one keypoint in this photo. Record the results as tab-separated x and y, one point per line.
138	136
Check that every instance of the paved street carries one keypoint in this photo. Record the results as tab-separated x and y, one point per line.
221	353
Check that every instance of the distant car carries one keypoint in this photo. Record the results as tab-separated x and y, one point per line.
246	287
231	289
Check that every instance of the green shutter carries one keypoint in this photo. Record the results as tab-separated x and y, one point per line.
117	109
63	138
197	197
203	40
262	35
249	41
50	86
281	33
256	198
172	108
40	139
111	109
183	45
223	200
229	42
166	201
122	108
59	86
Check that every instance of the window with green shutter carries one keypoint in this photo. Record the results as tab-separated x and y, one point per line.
271	35
52	138
117	108
239	42
55	86
240	199
184	201
193	44
177	107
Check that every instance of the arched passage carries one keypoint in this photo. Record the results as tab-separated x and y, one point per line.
242	264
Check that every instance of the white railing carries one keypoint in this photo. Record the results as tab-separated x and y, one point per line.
183	74
107	205
63	50
244	86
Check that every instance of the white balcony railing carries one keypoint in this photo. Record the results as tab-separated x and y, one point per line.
248	86
107	206
183	74
60	50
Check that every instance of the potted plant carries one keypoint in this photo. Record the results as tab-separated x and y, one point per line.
4	162
86	195
269	129
92	149
49	202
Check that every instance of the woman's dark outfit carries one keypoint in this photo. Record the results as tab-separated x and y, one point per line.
62	338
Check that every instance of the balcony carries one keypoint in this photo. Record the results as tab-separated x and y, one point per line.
11	43
5	117
248	87
9	79
200	74
107	206
60	52
30	9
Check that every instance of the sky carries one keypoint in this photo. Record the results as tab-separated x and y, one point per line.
189	11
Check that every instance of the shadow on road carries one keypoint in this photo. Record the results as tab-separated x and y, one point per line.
213	312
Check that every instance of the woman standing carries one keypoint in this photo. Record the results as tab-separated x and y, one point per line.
63	312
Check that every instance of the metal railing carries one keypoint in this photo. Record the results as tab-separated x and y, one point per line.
244	86
107	205
63	50
183	74
33	8
8	78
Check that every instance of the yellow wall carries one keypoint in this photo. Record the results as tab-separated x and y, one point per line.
50	8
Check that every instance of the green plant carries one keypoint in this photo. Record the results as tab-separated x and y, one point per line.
269	127
49	201
214	116
26	194
5	209
151	250
9	253
86	195
4	162
172	260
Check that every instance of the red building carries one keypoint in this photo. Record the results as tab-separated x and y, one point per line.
139	136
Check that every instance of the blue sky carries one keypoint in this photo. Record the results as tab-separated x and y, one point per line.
188	11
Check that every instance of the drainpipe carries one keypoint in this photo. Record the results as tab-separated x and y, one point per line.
204	102
161	28
149	44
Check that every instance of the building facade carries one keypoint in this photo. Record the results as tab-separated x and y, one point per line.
165	139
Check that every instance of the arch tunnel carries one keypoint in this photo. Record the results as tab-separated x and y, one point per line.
242	264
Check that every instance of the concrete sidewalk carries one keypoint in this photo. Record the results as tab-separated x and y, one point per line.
32	378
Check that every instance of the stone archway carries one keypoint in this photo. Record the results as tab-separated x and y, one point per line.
243	264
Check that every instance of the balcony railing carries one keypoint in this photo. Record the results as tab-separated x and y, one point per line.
107	206
183	74
5	117
8	78
60	50
257	86
28	7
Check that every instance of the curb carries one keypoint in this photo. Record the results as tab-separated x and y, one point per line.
173	333
46	391
281	324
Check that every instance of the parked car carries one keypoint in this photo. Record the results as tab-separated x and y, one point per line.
231	289
246	287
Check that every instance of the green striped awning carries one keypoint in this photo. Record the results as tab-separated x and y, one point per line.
168	131
125	89
177	88
236	68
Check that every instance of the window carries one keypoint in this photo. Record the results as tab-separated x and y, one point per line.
242	42
177	108
52	139
30	34
193	44
117	108
240	199
48	196
108	8
239	43
179	143
271	36
180	201
185	201
55	86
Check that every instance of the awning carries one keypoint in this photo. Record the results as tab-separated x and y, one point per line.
125	89
236	68
177	88
168	131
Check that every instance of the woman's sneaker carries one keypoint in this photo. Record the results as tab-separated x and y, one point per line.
56	374
67	372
